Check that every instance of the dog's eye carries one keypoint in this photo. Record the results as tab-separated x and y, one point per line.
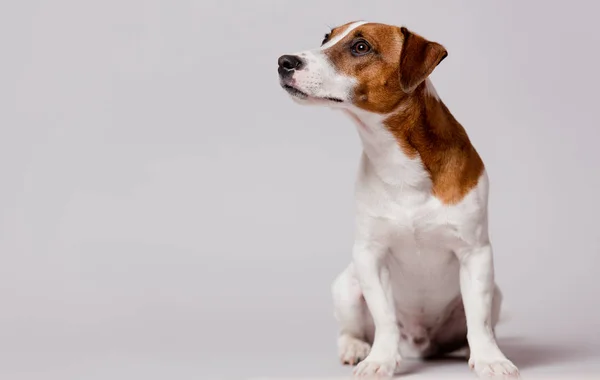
325	39
361	47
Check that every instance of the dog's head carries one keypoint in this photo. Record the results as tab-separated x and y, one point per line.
371	66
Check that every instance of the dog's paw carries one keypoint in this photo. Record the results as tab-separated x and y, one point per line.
375	367
352	350
494	369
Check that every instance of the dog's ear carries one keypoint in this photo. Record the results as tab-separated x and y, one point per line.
418	58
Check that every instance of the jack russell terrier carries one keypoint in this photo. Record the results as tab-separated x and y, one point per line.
421	280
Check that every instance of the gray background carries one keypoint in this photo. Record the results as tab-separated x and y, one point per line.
167	212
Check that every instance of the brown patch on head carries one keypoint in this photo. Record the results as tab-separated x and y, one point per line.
391	79
378	88
396	62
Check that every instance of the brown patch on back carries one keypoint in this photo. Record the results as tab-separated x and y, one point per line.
391	80
427	129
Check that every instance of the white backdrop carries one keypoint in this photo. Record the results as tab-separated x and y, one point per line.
167	212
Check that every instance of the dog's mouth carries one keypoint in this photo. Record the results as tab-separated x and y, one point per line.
302	95
295	92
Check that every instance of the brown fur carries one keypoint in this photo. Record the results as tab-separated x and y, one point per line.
427	129
418	59
378	87
391	80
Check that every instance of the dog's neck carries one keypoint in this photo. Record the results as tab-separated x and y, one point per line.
420	145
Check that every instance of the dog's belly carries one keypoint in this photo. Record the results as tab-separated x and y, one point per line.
424	274
425	281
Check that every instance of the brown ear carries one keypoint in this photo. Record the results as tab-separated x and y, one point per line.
418	58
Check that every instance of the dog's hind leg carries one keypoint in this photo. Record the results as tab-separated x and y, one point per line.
356	328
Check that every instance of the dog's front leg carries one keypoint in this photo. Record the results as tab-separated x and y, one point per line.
373	276
477	288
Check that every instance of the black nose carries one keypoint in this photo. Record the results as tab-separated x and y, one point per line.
289	63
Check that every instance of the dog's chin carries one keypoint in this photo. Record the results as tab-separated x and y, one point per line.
302	97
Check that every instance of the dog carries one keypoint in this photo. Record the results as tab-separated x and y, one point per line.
421	280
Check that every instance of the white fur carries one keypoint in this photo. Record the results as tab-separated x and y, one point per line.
414	258
319	78
342	35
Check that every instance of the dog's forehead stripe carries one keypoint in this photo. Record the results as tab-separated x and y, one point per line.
342	35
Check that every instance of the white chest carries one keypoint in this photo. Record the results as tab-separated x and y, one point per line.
393	195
